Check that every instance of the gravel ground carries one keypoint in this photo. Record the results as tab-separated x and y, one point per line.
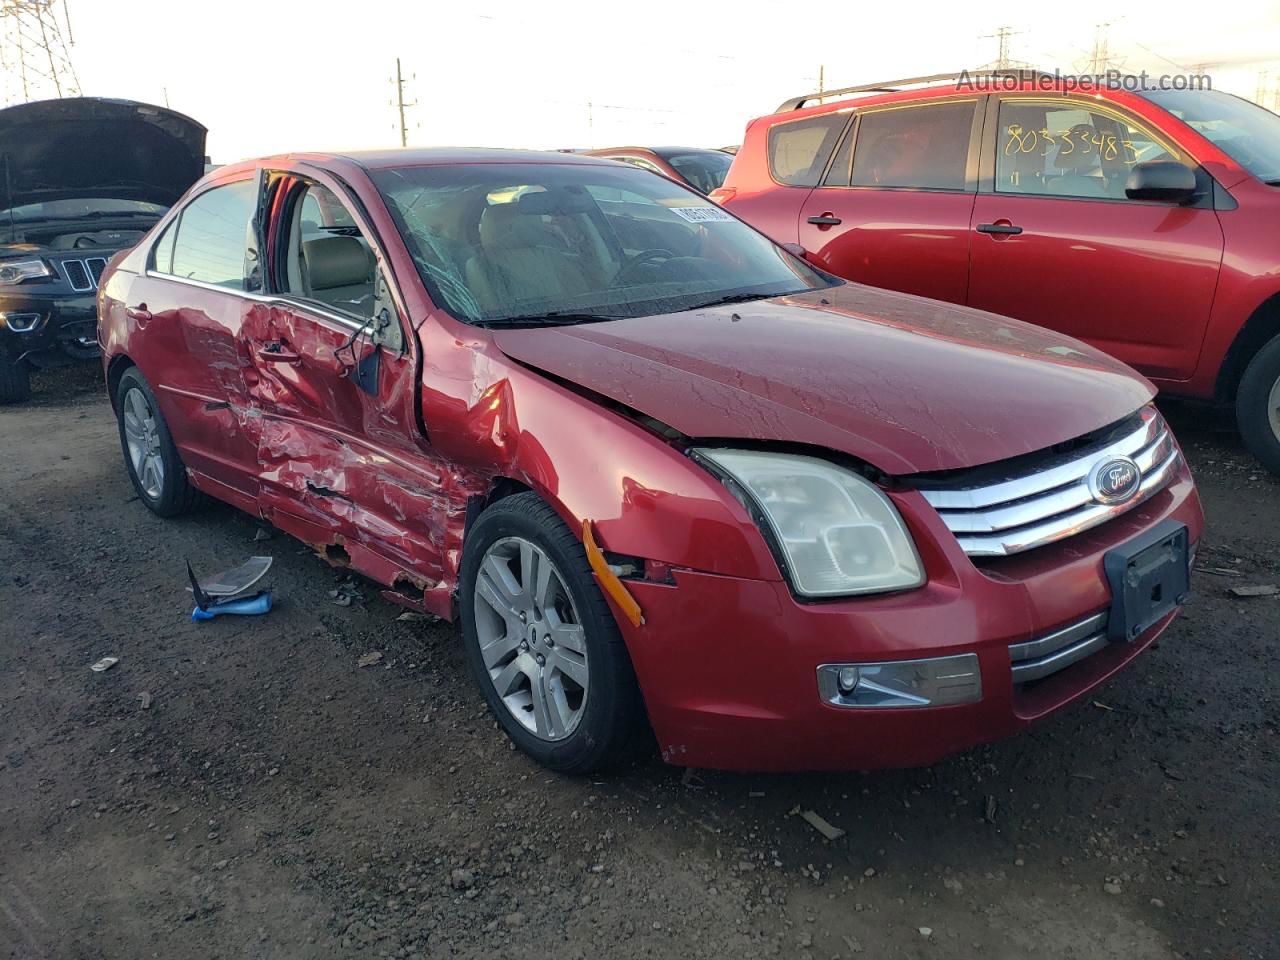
244	789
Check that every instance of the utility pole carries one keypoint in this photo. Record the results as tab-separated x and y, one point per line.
1260	98
822	84
400	103
34	60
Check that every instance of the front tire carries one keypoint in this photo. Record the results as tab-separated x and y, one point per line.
154	466
15	381
542	642
1258	406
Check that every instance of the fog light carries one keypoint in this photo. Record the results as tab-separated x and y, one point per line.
932	682
20	322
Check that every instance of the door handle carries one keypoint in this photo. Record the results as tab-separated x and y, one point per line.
139	313
275	352
1002	227
826	220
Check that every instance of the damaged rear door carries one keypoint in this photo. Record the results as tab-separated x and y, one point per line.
340	450
200	281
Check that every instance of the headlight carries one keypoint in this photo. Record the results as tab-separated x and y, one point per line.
19	270
839	533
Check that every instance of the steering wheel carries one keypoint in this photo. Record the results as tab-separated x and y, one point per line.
637	260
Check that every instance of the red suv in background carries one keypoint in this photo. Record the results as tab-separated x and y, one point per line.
1140	222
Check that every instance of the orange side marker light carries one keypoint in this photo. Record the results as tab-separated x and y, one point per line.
611	582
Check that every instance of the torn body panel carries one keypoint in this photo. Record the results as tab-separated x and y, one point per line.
337	465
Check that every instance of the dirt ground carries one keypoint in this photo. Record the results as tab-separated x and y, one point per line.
268	797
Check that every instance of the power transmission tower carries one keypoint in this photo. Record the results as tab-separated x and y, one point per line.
1004	57
1100	60
35	61
402	105
1260	98
1003	36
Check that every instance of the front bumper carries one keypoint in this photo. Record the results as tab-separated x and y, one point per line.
729	666
64	327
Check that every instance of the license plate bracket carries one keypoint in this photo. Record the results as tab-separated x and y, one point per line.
1149	578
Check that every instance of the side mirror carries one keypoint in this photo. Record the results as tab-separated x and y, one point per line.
365	372
1166	181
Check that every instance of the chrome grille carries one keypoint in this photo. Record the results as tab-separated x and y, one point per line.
1051	498
1049	654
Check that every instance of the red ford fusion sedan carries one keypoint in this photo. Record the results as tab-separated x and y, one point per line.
664	473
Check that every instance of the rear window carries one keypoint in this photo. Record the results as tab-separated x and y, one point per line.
798	150
922	147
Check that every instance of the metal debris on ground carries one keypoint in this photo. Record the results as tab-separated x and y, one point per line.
144	700
1255	590
412	616
369	659
106	663
818	823
989	813
691	779
263	533
346	593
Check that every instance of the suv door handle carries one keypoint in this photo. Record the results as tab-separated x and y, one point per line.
1001	227
275	352
139	313
826	220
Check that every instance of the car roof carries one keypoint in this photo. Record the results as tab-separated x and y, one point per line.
425	156
663	152
983	87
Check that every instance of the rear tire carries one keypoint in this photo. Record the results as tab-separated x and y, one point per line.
154	466
545	633
15	381
1258	406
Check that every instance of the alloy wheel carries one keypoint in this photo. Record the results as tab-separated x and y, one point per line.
1273	408
531	638
142	437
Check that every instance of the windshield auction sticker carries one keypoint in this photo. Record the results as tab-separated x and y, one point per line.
700	214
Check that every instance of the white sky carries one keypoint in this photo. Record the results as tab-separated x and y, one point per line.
275	75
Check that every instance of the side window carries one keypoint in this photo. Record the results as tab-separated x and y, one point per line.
922	147
212	236
328	259
1061	149
162	251
838	175
798	149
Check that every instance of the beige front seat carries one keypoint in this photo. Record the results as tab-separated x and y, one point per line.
339	271
520	263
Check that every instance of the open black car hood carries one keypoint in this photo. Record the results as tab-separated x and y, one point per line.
85	147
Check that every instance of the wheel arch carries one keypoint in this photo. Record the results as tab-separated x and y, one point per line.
115	370
1260	329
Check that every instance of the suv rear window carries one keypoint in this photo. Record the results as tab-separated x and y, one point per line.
925	147
798	150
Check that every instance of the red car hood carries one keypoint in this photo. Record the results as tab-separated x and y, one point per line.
901	382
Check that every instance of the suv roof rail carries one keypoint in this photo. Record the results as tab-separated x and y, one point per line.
889	86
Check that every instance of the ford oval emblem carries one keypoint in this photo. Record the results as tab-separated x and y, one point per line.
1115	481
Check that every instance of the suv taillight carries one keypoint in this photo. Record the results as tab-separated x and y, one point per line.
722	194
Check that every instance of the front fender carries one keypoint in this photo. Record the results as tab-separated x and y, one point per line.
492	416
